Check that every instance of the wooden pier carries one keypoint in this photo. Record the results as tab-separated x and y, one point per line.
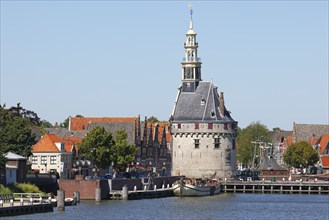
23	203
276	187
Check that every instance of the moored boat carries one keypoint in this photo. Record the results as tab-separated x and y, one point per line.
196	187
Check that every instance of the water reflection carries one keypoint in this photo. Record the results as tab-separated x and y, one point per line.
223	206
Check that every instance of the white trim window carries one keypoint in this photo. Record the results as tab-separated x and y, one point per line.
34	160
53	160
43	159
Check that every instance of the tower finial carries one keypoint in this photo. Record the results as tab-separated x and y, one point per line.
191	12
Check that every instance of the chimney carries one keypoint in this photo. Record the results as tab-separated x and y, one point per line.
221	104
70	123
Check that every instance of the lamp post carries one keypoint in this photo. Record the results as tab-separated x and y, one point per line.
163	168
151	168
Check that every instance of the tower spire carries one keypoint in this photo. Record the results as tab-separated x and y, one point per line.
191	13
191	65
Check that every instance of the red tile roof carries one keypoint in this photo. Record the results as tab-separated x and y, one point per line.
325	161
79	124
162	125
47	143
312	140
324	142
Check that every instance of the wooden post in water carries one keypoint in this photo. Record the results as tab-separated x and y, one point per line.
77	196
98	194
125	192
60	200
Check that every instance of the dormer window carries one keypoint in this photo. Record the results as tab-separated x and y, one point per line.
203	101
212	113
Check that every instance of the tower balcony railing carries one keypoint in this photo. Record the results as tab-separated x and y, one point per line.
192	59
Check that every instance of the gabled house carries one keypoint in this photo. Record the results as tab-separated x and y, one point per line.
54	154
322	145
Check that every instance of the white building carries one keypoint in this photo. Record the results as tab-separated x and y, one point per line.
203	132
52	153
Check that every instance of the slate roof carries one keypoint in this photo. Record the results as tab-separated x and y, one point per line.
269	163
64	132
113	127
302	132
188	106
12	156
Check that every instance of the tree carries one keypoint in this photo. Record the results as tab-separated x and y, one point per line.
46	124
152	119
98	147
245	149
124	153
15	133
301	154
18	111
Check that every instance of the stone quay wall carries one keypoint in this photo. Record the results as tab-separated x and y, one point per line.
87	188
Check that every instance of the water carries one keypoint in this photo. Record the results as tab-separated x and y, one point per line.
223	206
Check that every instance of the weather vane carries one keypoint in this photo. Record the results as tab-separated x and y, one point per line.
190	7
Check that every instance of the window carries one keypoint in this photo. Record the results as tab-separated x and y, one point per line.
179	126
225	126
43	160
233	144
196	126
203	101
196	143
53	160
34	159
209	125
216	143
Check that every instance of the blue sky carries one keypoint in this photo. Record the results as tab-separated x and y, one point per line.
111	58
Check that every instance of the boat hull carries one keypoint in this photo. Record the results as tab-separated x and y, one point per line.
190	190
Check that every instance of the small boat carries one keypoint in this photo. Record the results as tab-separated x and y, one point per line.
70	201
196	187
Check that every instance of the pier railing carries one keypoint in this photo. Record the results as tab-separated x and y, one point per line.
319	187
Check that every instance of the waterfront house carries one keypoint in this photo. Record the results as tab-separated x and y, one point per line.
203	131
54	154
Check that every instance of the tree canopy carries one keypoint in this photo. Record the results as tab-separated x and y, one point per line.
16	131
301	154
152	119
123	153
245	149
99	147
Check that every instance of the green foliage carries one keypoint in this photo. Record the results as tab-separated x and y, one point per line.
15	133
152	119
65	123
301	154
245	149
124	153
28	188
46	124
97	146
4	190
